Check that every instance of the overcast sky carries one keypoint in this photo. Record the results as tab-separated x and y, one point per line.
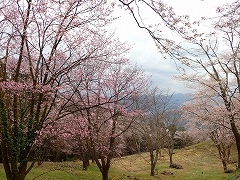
144	51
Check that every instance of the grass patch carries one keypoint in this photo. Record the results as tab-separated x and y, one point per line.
199	162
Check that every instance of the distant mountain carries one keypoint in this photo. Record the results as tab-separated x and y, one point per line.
179	98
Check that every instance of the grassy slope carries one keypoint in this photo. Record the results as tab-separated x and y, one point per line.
199	162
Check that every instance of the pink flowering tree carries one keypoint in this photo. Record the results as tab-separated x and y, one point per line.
208	114
40	43
97	106
107	111
212	53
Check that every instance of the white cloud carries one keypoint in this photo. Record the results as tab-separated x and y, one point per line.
144	51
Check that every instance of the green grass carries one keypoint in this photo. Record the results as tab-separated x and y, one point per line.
199	162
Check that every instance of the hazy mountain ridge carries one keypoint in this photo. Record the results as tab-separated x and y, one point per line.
180	98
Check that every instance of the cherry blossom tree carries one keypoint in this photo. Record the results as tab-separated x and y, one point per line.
211	53
209	114
101	108
113	111
217	69
41	42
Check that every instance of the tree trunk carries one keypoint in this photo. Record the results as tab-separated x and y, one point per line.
105	173
152	170
85	164
170	159
170	153
237	139
224	163
153	161
12	174
5	160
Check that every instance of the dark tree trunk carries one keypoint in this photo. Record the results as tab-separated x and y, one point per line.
22	172
237	139
5	161
171	159
16	173
170	153
104	172
153	161
224	163
103	165
85	164
152	170
13	171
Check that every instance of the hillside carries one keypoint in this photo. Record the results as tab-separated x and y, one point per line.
199	162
